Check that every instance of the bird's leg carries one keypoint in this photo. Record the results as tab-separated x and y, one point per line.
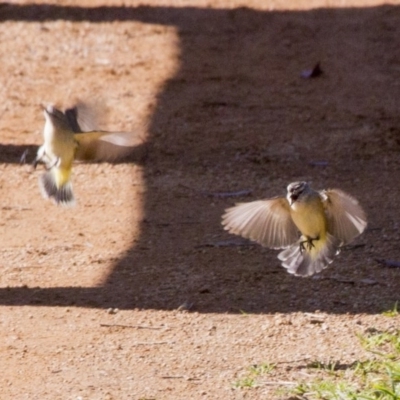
41	154
36	162
47	166
307	244
22	160
56	162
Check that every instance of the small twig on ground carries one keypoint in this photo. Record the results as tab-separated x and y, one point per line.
244	192
287	383
173	377
151	343
319	163
388	263
227	243
313	72
186	306
180	377
353	246
129	326
227	194
334	278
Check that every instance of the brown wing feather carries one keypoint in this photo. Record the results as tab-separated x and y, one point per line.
267	222
86	116
105	146
346	218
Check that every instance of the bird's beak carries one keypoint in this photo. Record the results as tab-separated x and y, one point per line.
292	198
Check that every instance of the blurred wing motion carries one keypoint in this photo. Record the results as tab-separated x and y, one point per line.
94	144
107	146
346	218
267	222
85	116
66	140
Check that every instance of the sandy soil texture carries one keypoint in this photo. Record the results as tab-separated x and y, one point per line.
138	292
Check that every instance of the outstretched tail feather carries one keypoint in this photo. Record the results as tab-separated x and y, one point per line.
62	195
305	262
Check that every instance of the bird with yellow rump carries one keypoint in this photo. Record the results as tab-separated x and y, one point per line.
65	142
326	220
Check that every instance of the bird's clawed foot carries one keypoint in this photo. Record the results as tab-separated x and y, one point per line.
55	163
307	244
24	155
47	167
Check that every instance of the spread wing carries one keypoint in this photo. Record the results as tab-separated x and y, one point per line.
346	218
107	146
85	116
267	222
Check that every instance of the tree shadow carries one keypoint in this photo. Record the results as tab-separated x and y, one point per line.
230	81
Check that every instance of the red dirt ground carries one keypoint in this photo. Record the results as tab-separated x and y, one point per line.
137	292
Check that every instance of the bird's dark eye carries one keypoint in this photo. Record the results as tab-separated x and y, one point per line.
294	196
